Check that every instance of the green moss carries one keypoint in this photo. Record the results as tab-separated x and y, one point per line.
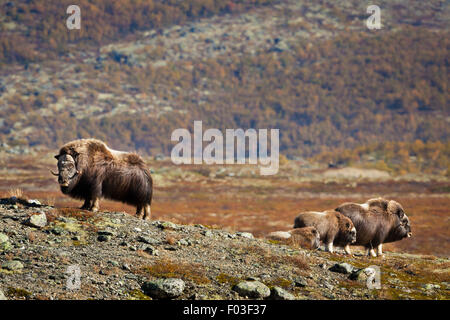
167	269
137	295
279	282
225	278
18	293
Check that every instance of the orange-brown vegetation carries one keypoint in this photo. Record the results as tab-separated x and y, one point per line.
165	268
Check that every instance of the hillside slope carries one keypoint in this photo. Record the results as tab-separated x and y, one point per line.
313	70
120	257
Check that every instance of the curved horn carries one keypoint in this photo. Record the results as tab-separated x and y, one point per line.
55	174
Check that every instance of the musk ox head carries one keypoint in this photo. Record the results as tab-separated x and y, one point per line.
347	231
402	227
67	172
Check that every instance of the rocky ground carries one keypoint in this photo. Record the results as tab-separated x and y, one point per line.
120	257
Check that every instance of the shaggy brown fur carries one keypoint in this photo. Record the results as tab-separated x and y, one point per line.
89	170
333	227
307	237
377	221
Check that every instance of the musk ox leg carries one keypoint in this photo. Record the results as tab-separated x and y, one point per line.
380	250
138	211
372	253
329	247
147	212
347	249
95	205
86	205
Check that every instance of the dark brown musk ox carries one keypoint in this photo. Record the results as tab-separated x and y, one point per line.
333	227
307	237
377	221
89	170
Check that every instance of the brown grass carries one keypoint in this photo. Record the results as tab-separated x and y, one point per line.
265	256
165	268
16	192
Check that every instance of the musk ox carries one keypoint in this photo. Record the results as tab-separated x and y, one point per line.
307	237
377	221
89	170
333	227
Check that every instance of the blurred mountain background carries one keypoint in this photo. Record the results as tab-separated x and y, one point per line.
136	70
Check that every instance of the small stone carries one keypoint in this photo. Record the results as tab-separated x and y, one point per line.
12	265
57	231
278	293
164	288
329	295
125	266
5	245
328	286
362	275
106	232
207	233
165	225
114	263
431	286
3	238
76	238
151	251
37	220
247	235
2	296
183	242
344	268
137	229
34	203
103	238
147	240
300	282
252	289
170	248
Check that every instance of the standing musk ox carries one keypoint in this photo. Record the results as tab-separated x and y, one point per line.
333	227
307	237
377	221
89	170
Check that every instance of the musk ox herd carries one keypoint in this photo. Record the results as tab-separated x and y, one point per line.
370	224
89	170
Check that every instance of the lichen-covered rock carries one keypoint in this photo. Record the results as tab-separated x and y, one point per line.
278	293
12	265
164	288
252	289
247	235
344	268
5	245
37	220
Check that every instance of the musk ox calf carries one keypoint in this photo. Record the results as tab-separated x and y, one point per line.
89	170
377	221
333	227
307	237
